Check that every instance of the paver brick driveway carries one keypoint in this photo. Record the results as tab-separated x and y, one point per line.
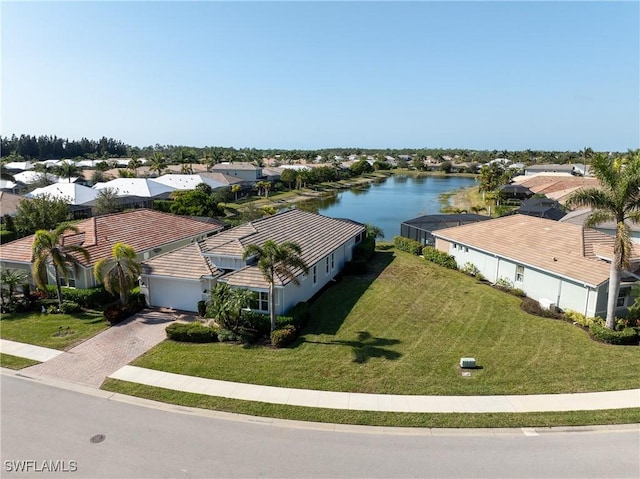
92	361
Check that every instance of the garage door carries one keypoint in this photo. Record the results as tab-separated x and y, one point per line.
174	293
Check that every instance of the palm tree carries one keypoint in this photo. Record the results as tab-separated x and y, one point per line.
10	279
48	249
617	200
119	273
134	164
235	189
68	169
282	261
157	163
226	305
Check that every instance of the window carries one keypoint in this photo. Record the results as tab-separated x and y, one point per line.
70	280
519	274
326	265
622	297
260	301
333	264
315	274
466	249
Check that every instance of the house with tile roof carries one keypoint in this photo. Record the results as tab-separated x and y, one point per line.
554	263
149	233
183	277
421	228
580	216
242	170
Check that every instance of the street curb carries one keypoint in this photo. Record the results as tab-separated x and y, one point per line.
317	426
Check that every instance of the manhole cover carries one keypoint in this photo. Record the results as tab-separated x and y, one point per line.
97	438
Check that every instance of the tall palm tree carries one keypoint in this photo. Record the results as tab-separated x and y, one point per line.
48	249
617	200
275	260
119	273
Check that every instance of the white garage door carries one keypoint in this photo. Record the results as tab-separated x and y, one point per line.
174	293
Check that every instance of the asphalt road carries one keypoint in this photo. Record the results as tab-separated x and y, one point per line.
44	424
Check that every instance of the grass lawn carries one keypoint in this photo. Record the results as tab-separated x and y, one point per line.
573	418
44	329
14	362
402	330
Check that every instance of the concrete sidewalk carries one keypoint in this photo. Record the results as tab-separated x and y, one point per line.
29	351
382	402
70	366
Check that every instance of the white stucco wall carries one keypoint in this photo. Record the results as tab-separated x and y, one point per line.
536	283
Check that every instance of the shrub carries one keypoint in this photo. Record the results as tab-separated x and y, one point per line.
301	314
408	245
365	249
581	319
283	337
439	257
69	307
470	269
254	324
531	306
225	335
191	333
202	308
116	312
504	284
625	337
92	298
384	246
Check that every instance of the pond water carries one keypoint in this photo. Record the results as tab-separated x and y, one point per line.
390	202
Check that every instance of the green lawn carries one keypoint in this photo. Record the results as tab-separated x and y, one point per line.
457	420
403	329
14	362
57	331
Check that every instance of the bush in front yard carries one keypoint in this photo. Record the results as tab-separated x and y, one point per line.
283	337
116	312
531	306
191	333
625	337
439	257
92	298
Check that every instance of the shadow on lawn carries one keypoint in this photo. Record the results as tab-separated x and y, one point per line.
334	304
366	347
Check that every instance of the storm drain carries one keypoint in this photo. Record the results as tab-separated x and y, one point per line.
97	438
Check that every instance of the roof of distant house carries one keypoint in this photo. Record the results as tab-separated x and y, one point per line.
140	187
28	177
552	167
580	216
71	192
235	166
436	222
561	248
9	203
142	229
187	182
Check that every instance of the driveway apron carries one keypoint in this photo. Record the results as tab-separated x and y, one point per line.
92	361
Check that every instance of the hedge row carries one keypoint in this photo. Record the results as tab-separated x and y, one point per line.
191	333
92	298
625	337
439	257
408	245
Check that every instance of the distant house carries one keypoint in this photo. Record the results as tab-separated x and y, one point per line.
245	171
579	217
150	233
514	192
137	192
80	198
183	277
541	208
420	229
557	186
11	186
548	168
554	263
9	203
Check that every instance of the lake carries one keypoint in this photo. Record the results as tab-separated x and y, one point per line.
392	201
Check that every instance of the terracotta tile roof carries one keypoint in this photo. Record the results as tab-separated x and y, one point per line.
141	229
548	183
562	248
186	262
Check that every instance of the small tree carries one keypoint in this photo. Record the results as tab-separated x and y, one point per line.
120	273
226	304
235	189
10	279
40	213
107	202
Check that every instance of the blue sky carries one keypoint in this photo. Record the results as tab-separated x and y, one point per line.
482	75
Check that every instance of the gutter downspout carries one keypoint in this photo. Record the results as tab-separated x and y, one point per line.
559	293
586	302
